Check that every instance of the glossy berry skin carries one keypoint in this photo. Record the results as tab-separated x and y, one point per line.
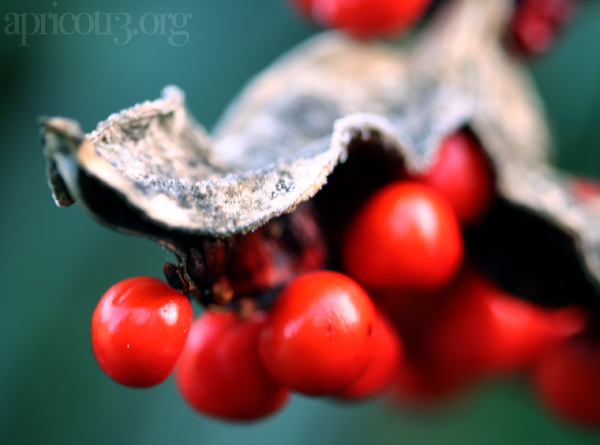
220	373
406	237
462	173
383	366
567	380
365	18
320	334
139	328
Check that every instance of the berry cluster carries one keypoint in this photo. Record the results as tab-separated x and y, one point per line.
533	29
323	336
354	297
405	310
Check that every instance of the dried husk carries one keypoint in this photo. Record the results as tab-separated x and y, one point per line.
153	171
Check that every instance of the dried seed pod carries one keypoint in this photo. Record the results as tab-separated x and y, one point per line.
151	170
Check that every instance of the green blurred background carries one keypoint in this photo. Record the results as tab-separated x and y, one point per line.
56	263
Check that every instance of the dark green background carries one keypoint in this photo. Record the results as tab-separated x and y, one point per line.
56	263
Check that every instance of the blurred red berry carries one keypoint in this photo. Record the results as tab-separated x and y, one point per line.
463	174
585	189
568	380
479	329
536	23
364	18
461	338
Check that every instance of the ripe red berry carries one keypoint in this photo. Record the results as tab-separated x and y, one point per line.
461	337
471	329
405	237
462	173
524	331
139	328
320	334
482	329
220	373
585	189
365	18
536	23
383	366
567	380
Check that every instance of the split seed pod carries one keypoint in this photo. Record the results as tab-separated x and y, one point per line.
153	171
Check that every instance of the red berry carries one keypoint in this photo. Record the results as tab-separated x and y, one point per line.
320	334
533	34
405	237
139	328
481	329
383	367
567	380
461	338
524	331
585	189
462	173
567	322
536	23
470	329
220	373
365	18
